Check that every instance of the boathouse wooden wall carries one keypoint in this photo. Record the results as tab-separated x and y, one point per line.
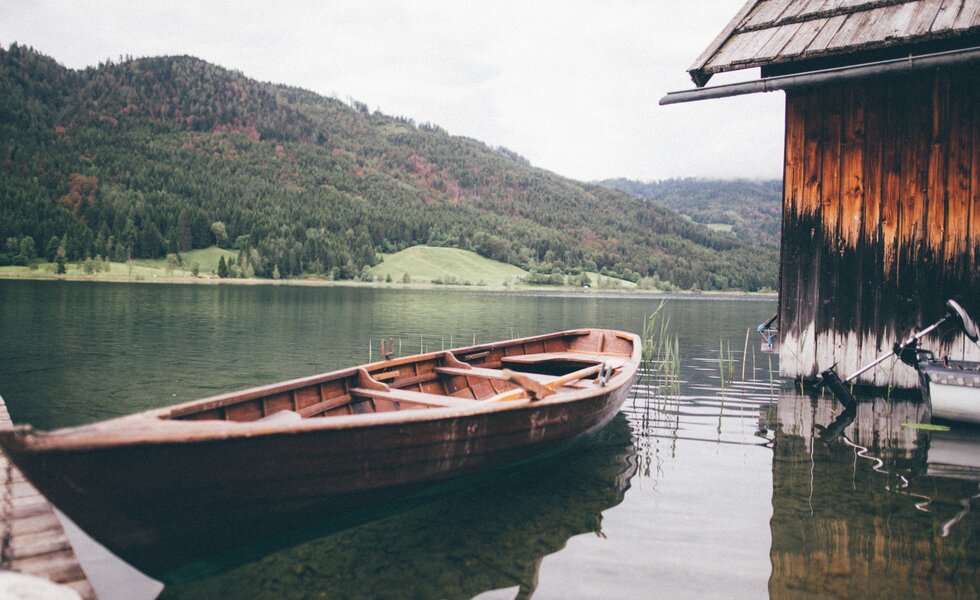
881	219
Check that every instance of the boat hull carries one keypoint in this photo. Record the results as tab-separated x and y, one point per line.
952	390
161	503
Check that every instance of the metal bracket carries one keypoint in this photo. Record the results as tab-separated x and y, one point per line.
605	372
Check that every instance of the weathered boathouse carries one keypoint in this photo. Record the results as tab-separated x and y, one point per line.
881	200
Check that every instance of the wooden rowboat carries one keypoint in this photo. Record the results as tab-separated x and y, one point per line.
165	486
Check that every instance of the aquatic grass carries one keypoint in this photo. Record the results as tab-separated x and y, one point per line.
726	363
745	351
926	426
722	363
731	361
661	360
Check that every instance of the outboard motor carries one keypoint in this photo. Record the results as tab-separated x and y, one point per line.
969	325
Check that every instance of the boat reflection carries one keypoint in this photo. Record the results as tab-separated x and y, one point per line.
956	455
861	502
485	538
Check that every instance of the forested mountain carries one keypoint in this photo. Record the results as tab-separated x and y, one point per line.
752	208
157	155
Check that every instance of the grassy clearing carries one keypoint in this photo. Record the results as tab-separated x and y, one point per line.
137	269
206	258
72	270
427	264
609	282
720	226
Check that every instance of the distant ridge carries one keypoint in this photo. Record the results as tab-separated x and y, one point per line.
753	209
162	155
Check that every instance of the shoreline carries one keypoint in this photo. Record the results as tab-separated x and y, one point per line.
424	286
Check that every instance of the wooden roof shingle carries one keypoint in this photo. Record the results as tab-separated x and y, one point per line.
766	32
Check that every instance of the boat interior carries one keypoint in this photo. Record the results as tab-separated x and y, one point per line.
463	378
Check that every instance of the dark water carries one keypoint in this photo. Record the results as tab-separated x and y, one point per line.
719	487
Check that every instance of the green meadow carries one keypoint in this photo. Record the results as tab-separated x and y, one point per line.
418	265
445	265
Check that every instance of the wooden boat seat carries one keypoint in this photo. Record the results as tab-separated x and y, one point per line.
614	361
396	395
489	373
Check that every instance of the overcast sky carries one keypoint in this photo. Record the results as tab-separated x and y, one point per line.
571	85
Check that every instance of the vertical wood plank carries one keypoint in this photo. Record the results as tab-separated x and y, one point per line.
915	172
973	222
935	215
870	250
959	165
935	280
830	220
813	233
891	185
852	165
792	311
849	303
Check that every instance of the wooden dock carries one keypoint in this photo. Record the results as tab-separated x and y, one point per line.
32	540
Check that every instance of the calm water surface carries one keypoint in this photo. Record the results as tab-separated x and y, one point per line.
720	487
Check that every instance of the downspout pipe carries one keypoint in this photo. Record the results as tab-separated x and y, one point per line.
789	82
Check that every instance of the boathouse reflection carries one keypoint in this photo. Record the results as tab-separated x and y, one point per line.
486	538
863	515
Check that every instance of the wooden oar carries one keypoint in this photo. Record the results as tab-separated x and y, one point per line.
537	390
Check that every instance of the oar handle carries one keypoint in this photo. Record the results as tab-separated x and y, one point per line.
537	390
575	376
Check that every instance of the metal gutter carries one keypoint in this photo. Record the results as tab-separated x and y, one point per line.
787	82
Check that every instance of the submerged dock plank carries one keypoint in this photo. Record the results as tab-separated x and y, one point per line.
32	540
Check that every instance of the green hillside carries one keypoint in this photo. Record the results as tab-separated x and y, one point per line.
172	154
750	210
448	265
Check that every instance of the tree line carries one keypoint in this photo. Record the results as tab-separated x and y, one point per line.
162	155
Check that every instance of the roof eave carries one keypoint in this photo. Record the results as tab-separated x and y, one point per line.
696	70
703	74
812	78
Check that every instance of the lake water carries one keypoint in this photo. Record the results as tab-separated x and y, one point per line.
719	487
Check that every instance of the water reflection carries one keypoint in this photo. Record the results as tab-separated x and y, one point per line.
486	538
956	455
75	352
863	513
725	489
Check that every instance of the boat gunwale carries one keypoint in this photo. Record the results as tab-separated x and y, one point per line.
282	386
954	366
155	427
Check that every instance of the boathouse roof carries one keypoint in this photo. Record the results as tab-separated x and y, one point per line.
802	35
